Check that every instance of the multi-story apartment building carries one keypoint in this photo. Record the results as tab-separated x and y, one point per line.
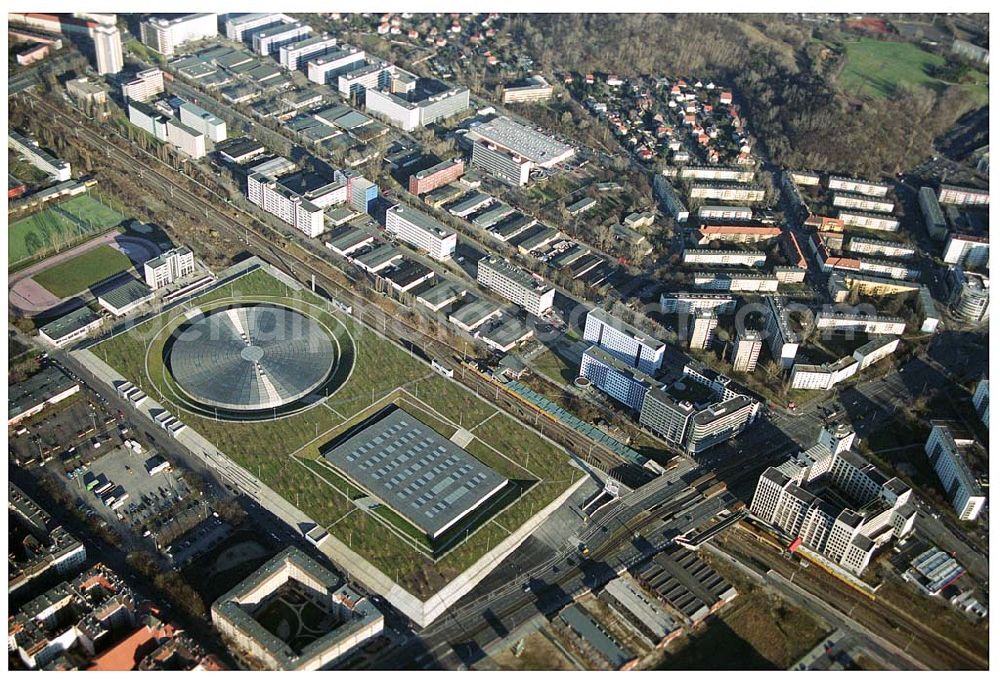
928	309
537	90
149	119
421	230
688	303
715	173
724	212
57	168
746	349
822	376
361	193
863	203
292	55
727	191
615	378
240	26
875	350
946	449
188	140
736	233
203	121
436	176
878	325
735	281
783	342
146	85
623	341
869	246
665	416
954	195
746	258
934	220
359	78
970	294
409	112
326	67
981	400
967	250
270	40
502	165
670	199
168	266
108	49
803	178
516	285
720	422
702	329
890	268
880	508
856	186
166	35
874	221
264	192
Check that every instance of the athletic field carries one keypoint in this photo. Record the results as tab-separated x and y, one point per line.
58	227
83	271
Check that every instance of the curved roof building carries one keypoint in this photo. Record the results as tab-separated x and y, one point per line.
250	357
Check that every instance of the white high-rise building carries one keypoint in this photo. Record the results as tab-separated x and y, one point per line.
108	49
746	350
623	341
703	324
166	35
146	85
945	450
421	230
168	266
239	25
615	378
844	536
981	400
284	203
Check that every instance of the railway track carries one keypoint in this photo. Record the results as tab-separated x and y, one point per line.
289	255
920	638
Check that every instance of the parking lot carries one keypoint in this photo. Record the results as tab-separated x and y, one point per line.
151	501
66	430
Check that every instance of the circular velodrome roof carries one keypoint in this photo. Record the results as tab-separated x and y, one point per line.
250	358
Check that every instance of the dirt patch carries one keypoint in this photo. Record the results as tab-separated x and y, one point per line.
539	653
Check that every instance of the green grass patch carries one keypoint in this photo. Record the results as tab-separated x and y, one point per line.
83	271
876	68
553	366
58	227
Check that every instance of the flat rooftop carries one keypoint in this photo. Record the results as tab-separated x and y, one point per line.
130	292
424	477
616	323
523	141
70	323
39	388
422	220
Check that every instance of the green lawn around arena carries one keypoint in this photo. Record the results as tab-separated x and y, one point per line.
58	227
79	273
265	448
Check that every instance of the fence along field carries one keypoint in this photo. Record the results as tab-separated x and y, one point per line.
58	227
